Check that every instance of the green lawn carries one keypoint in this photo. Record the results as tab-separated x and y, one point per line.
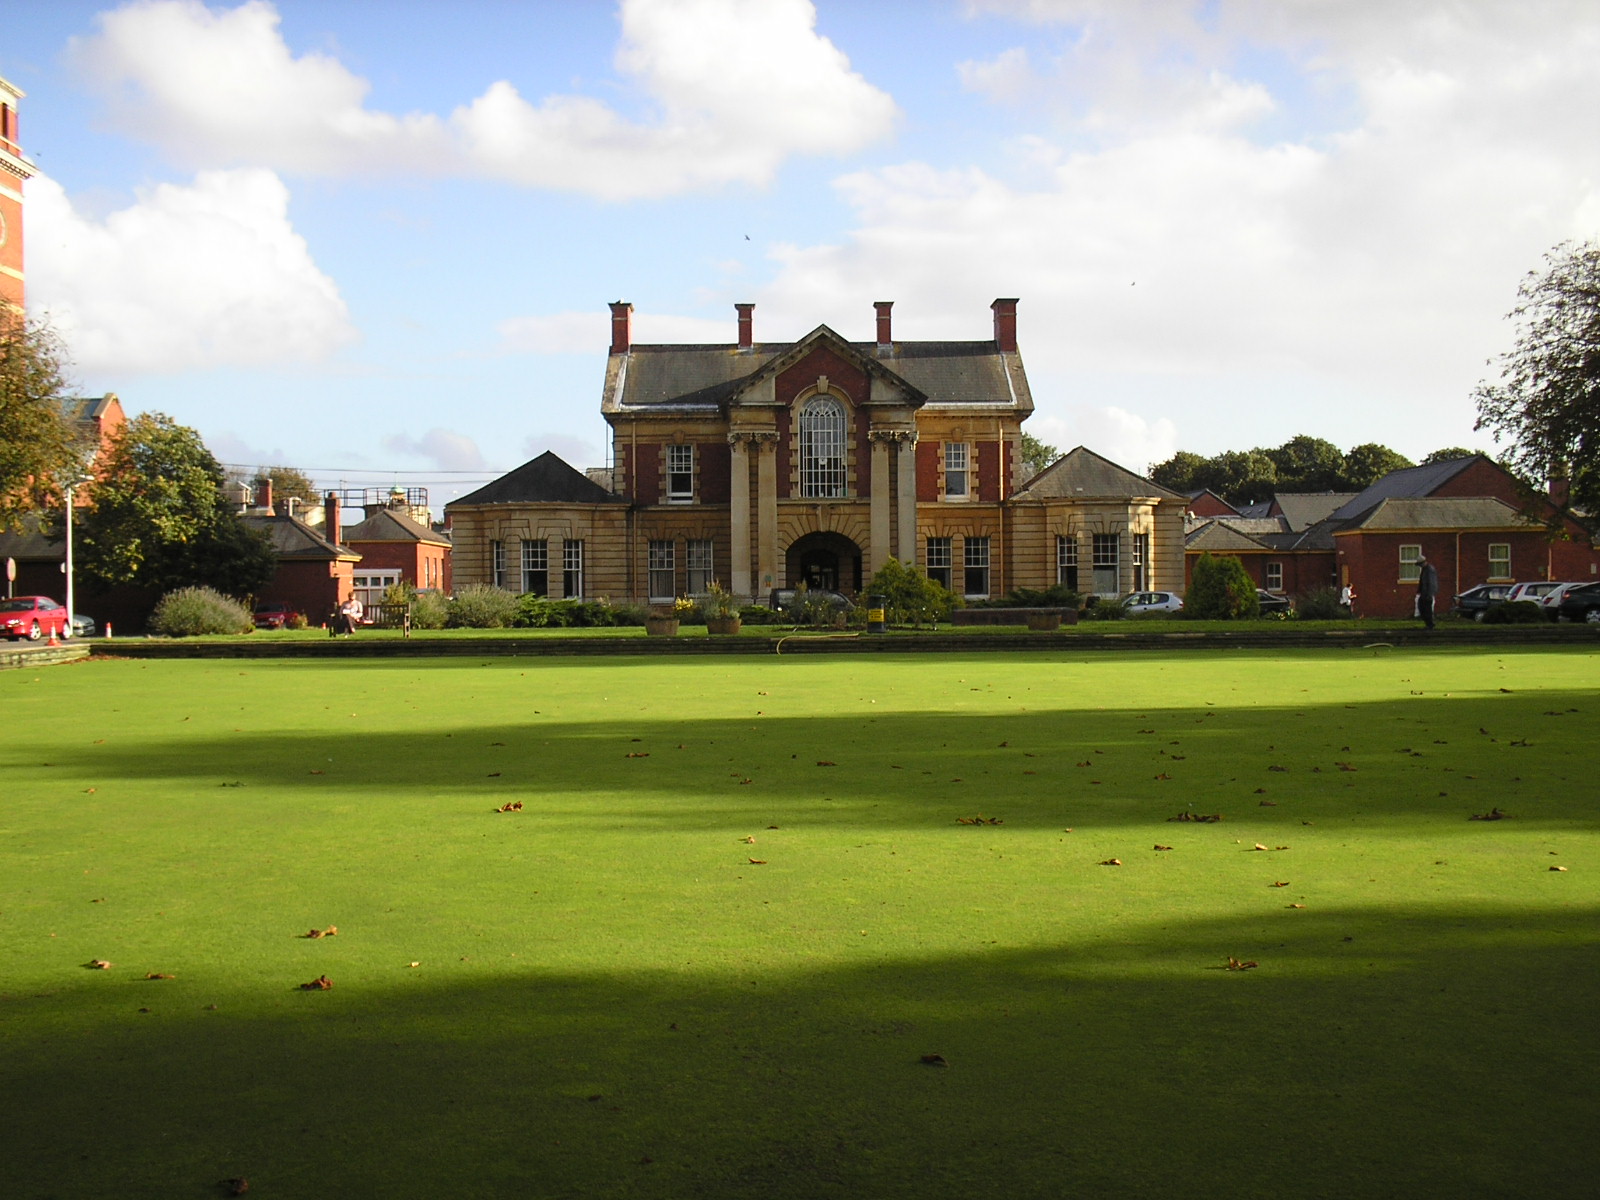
604	996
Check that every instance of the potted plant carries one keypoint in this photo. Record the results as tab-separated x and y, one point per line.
663	621
721	609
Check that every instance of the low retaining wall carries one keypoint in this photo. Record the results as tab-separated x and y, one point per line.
1040	619
18	655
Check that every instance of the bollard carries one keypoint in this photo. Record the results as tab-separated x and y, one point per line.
875	618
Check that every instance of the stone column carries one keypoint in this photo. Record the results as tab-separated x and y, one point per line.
880	548
739	516
766	512
908	551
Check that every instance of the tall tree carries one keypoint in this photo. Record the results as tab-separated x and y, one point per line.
1367	463
39	448
1307	464
290	482
159	520
1448	453
1547	400
1179	471
1036	455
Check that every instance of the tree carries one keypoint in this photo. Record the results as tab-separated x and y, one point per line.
1036	455
1179	471
1448	453
39	448
1307	464
1367	463
1547	401
159	520
1220	589
290	483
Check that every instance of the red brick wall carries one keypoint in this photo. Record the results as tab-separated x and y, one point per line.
987	455
314	588
716	468
928	464
644	472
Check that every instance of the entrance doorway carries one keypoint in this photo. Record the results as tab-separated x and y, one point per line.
826	561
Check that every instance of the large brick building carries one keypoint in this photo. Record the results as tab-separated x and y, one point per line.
15	170
765	465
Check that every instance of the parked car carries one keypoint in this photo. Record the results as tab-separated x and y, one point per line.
273	615
83	626
33	617
1551	600
1475	602
1152	602
1272	602
1582	604
1536	590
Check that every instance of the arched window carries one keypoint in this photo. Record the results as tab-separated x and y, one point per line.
822	448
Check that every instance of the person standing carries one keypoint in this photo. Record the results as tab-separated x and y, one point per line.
1427	590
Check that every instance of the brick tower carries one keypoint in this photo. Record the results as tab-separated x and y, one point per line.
14	171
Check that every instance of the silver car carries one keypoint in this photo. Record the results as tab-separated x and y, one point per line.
1152	602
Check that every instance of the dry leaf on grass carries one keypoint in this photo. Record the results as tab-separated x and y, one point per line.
980	819
320	984
510	806
330	931
1235	964
637	754
98	964
824	763
933	1060
1111	862
159	975
1558	868
1494	814
234	1187
1281	883
1203	818
1159	846
1297	906
757	862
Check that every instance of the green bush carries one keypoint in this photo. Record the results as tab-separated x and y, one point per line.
540	612
1101	608
193	611
482	606
1056	596
760	614
1221	590
910	597
430	610
1518	612
1320	604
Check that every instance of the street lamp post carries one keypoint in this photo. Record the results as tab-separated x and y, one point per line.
71	487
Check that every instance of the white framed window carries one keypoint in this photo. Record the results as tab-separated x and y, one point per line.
662	571
697	565
497	564
1140	544
975	566
680	474
572	568
955	470
939	564
1410	564
1499	560
1067	561
1107	564
822	448
536	567
370	584
1274	577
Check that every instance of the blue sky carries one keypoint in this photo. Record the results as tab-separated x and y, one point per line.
377	240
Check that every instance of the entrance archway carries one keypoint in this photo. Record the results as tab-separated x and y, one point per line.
829	561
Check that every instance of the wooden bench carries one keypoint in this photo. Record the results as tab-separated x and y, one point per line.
1034	618
390	616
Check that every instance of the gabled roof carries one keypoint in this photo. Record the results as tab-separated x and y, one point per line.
1441	512
387	525
1218	538
546	479
294	540
1404	483
942	373
1081	474
29	542
1301	510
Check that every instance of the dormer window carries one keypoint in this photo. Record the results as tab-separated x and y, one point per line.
822	448
680	474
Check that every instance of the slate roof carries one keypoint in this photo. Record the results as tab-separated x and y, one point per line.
387	525
546	479
293	539
89	408
1080	473
942	373
1406	482
1301	510
1441	512
1216	537
29	542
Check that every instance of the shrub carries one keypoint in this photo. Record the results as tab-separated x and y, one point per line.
192	611
759	614
910	597
482	606
297	621
1220	590
430	610
1321	604
1518	612
540	612
1099	608
1057	596
400	592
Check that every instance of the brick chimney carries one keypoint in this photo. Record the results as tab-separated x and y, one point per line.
885	338
621	327
747	325
331	517
264	495
1005	325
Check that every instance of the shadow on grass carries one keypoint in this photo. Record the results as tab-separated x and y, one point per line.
1380	1052
1420	756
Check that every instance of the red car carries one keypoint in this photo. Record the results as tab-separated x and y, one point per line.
33	617
272	615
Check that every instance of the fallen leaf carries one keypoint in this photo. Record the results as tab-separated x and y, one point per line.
98	964
1281	883
1163	775
1558	868
159	975
510	806
1159	846
824	763
758	862
320	984
234	1187
1258	846
1111	862
1297	906
750	841
319	772
1278	769
413	964
933	1060
1268	804
1203	818
1235	965
637	754
492	775
90	791
1494	814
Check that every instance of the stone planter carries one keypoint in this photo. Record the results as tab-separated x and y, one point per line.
1044	622
723	625
661	626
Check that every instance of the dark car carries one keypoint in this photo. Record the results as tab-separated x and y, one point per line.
785	600
33	617
272	615
1582	604
1475	602
1271	602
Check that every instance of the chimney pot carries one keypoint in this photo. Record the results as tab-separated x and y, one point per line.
332	519
746	325
885	334
1005	325
621	327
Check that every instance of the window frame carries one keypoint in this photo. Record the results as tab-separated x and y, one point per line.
497	563
1067	560
680	473
824	448
535	567
1274	577
1493	559
939	561
1410	563
661	567
572	568
698	565
957	471
975	567
1101	562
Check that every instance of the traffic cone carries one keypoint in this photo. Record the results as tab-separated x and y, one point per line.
52	641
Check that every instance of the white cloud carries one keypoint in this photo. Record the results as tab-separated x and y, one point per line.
575	452
444	449
738	87
590	332
206	275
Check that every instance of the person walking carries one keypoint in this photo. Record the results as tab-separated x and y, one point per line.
1427	590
